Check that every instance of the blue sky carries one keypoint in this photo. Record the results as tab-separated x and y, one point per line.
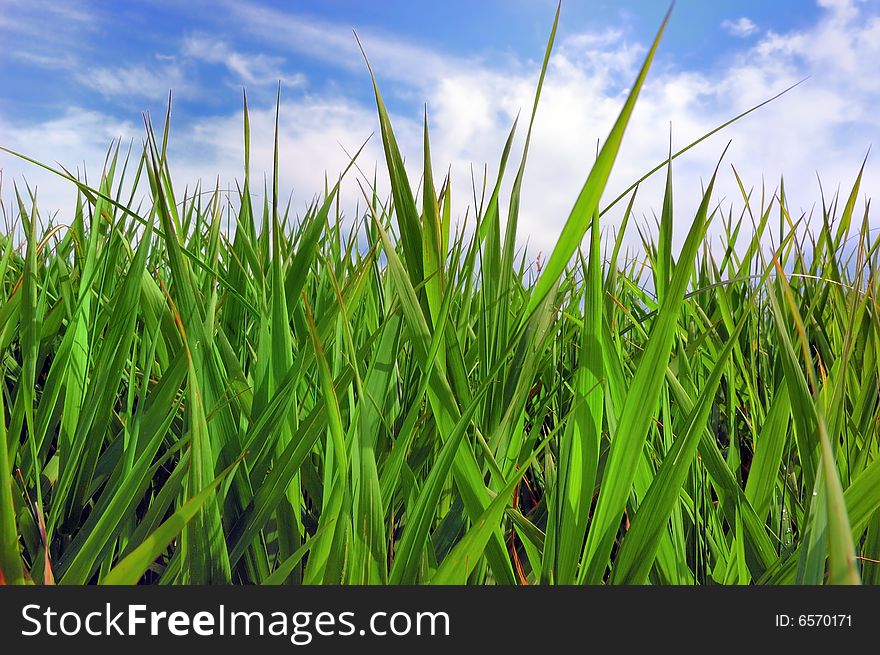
45	41
76	75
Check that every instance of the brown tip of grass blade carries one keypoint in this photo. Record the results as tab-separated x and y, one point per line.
48	577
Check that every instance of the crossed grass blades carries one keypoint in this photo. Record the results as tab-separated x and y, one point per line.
399	401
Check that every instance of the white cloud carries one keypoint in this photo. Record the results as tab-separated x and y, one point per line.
136	81
78	140
315	134
47	32
843	9
392	57
252	69
62	62
741	27
27	16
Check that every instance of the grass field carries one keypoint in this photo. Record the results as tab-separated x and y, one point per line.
397	400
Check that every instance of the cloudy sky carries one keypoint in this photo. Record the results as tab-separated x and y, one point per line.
76	75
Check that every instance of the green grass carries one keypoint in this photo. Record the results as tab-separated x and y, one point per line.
395	400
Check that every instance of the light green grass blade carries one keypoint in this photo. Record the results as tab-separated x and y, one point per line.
635	415
588	199
639	546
